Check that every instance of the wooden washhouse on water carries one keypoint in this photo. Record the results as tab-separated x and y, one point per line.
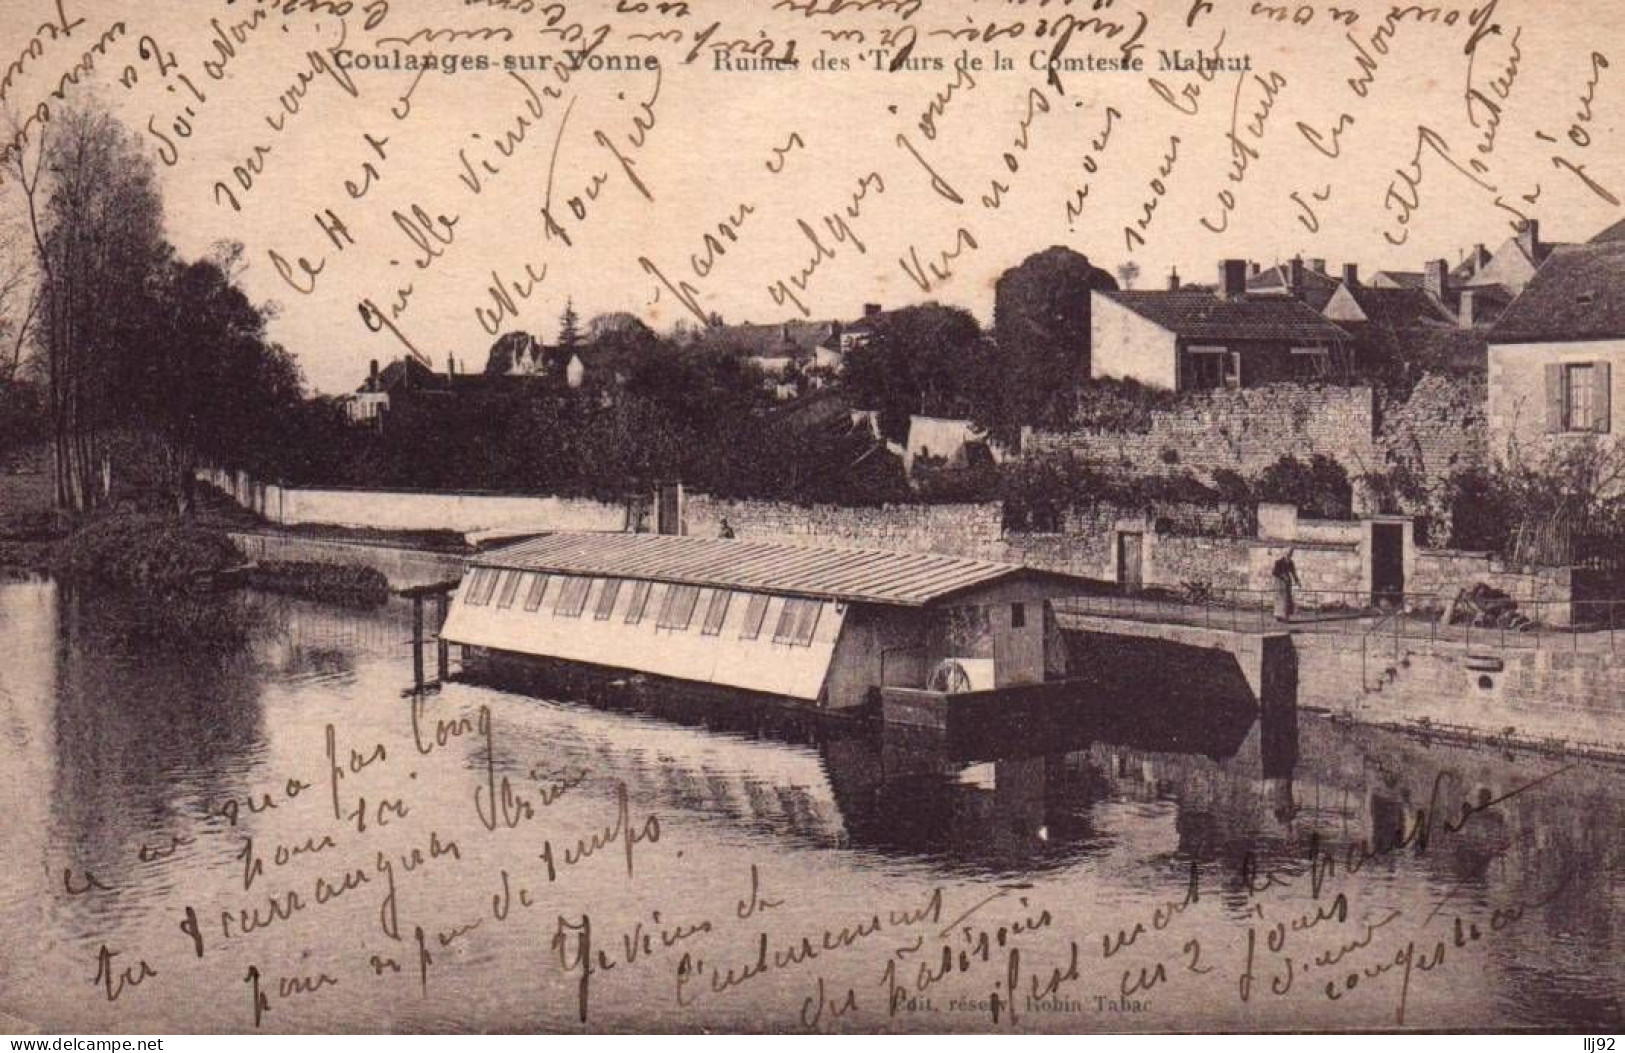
830	627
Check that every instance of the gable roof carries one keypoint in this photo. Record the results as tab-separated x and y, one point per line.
1616	232
1199	315
907	579
1280	277
1399	308
405	374
1401	279
1317	287
1578	295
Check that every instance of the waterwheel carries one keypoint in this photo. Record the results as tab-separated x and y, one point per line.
949	677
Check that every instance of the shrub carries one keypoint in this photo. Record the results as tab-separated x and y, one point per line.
346	584
145	551
1564	508
1320	489
1395	491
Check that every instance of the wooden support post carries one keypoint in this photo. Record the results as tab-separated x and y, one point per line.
417	642
442	648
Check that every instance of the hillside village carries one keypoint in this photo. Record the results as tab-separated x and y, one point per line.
1423	397
1402	429
1259	452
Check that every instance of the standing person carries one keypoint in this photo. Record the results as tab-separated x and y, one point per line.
1286	576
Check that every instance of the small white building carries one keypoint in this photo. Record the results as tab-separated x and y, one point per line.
1189	339
1557	356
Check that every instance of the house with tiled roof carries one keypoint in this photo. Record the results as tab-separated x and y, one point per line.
1184	339
1306	280
1391	326
1506	271
1557	355
1355	303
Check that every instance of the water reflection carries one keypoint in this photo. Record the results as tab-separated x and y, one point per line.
121	750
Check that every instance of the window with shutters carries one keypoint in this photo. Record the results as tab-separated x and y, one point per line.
538	588
572	597
755	614
797	622
678	610
1577	397
716	612
606	599
639	601
510	588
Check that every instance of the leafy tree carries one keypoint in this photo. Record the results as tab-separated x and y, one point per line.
928	360
96	226
1041	325
619	328
201	380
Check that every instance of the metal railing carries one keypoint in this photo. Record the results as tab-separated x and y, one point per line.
1537	624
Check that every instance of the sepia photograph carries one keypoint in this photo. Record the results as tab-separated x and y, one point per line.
928	517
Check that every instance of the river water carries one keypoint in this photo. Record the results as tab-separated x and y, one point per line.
239	816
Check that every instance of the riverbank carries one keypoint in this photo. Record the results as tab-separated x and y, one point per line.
163	552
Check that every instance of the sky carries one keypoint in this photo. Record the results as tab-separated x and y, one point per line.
387	208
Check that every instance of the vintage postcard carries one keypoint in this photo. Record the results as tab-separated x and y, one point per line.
991	516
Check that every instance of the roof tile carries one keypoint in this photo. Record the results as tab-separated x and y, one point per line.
1199	315
1579	294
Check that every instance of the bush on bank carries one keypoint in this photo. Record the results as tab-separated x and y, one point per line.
334	583
144	551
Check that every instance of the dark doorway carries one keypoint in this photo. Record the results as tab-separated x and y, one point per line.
1130	552
1387	564
669	508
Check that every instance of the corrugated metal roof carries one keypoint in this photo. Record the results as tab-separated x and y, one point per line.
910	579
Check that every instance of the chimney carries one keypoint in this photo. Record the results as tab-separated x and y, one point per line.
1294	282
1529	237
1253	268
1479	256
372	376
1464	315
784	332
1173	280
870	310
1434	273
1351	274
1318	266
1232	279
451	366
